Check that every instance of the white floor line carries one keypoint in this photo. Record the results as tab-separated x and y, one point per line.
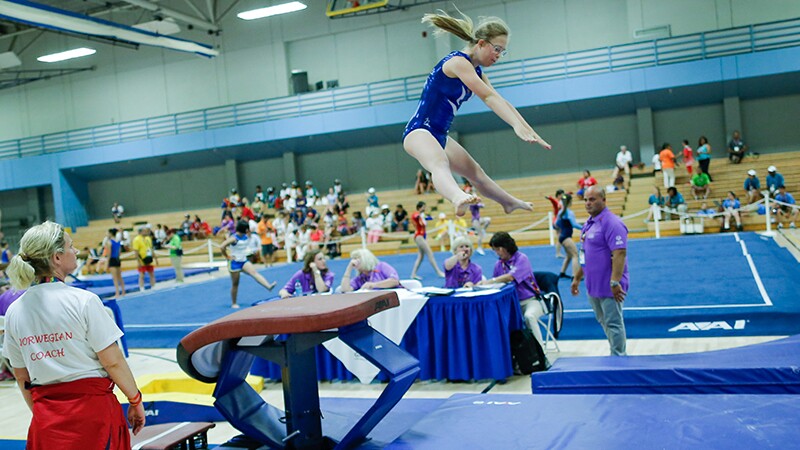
756	276
668	308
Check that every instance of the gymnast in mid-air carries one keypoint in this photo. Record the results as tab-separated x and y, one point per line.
452	82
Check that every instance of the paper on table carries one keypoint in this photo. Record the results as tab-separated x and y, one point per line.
479	293
490	286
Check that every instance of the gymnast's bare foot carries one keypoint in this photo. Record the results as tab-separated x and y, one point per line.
461	206
519	204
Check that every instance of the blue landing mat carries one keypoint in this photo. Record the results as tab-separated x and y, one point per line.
131	277
767	368
509	422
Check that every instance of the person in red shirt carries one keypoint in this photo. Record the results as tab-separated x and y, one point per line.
585	183
418	218
688	156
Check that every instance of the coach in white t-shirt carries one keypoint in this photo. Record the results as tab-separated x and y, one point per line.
62	348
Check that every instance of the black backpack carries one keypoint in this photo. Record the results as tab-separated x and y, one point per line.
526	353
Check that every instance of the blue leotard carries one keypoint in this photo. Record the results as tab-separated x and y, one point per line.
441	97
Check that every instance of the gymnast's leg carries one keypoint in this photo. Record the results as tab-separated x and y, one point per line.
463	164
424	148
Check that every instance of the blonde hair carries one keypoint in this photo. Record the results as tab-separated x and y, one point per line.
488	27
36	249
459	241
368	260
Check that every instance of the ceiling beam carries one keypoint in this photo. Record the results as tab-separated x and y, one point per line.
177	15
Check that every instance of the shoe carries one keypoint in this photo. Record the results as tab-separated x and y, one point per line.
560	256
780	226
480	251
416	277
235	306
271	286
792	225
739	228
563	275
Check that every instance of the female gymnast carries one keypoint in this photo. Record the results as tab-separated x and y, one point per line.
452	82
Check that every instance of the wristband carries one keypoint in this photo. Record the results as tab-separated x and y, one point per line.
136	400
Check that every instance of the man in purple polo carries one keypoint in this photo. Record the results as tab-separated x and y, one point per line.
604	247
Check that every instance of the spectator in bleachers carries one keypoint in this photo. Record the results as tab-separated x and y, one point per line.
787	210
357	223
730	208
479	224
259	195
226	227
372	202
688	157
117	211
400	220
175	247
114	246
667	164
159	235
370	273
459	270
238	262
700	184
186	227
736	148
244	211
342	205
258	207
337	187
199	229
271	197
145	256
656	202
386	218
313	278
774	179
124	236
266	233
656	163
331	242
295	190
330	200
311	193
566	224
704	156
421	183
92	258
623	162
374	226
303	241
342	224
674	202
617	185
752	187
585	182
5	255
555	202
443	225
420	238
234	198
513	266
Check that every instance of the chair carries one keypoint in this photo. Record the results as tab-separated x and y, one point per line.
553	307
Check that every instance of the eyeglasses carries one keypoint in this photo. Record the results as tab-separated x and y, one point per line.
499	50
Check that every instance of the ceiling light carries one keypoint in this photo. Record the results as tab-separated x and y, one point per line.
69	54
271	11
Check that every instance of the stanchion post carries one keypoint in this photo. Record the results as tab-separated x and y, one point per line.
550	228
451	232
210	251
656	216
768	215
363	232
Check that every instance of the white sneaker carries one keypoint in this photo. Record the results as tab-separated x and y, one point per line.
792	225
780	226
480	251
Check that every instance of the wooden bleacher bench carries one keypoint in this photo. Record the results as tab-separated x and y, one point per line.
173	436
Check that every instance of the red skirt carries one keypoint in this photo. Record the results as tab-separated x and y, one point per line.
81	414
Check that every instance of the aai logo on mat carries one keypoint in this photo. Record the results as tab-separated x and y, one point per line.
708	326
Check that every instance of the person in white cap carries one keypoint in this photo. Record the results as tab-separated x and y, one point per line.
774	179
386	218
752	186
372	202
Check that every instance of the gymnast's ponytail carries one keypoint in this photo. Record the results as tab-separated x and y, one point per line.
488	27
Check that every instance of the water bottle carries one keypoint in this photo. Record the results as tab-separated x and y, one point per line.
298	289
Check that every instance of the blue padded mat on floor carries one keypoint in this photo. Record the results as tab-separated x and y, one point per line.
766	368
505	421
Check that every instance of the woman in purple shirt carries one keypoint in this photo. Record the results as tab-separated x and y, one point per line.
459	270
513	266
314	277
370	273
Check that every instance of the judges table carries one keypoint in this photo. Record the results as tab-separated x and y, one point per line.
464	336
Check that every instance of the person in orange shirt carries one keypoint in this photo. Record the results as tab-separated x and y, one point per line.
667	165
265	231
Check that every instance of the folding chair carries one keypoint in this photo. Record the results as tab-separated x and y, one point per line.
553	308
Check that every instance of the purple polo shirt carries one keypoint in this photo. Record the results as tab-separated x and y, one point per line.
381	272
600	236
458	276
520	268
7	298
307	282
